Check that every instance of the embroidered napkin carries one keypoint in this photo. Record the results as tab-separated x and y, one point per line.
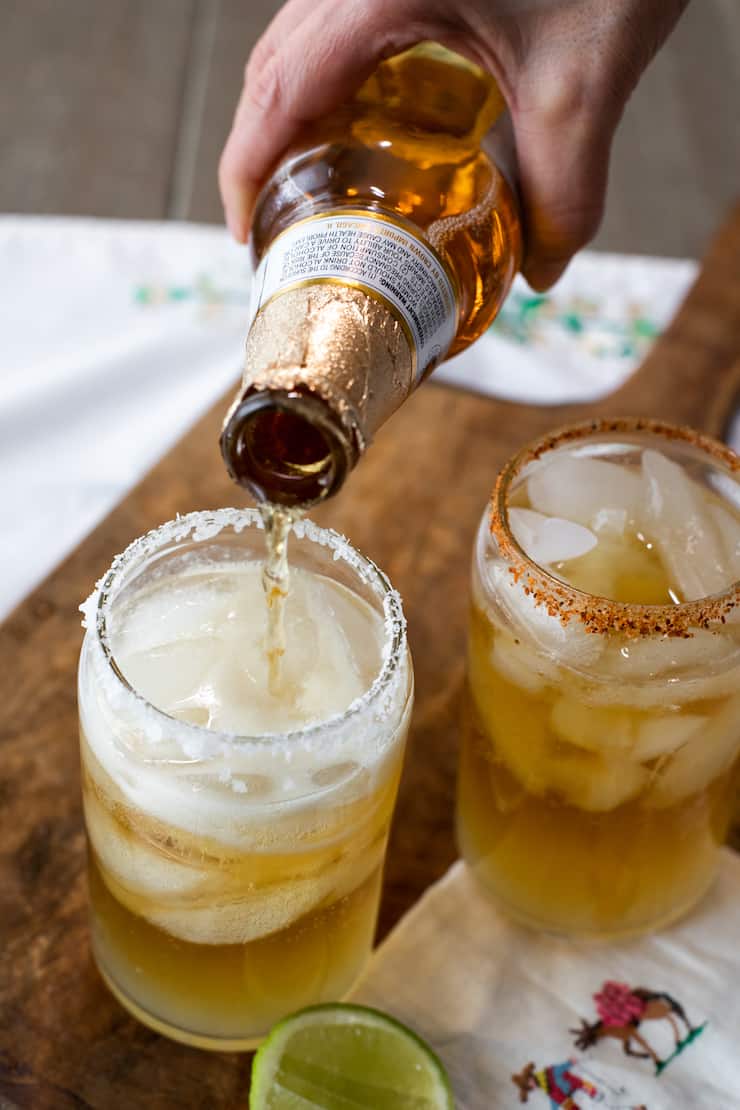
519	1017
580	340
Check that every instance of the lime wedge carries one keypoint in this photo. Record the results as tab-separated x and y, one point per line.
338	1057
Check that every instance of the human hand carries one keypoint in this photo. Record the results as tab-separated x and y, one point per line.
565	67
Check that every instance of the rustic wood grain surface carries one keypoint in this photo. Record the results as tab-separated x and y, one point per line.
413	505
120	110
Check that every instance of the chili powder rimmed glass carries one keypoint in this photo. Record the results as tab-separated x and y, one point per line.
601	726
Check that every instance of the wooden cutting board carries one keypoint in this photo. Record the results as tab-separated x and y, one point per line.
413	505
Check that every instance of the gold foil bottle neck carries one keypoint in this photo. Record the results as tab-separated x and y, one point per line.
339	349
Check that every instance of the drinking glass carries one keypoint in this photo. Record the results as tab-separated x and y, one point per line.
236	877
601	725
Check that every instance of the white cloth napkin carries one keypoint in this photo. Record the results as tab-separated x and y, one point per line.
115	336
491	997
583	338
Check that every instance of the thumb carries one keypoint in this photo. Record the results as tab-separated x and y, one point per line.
578	66
313	56
563	170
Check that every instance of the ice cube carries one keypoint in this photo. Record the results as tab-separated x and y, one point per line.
728	527
644	658
515	725
579	489
246	916
660	735
347	685
622	733
137	866
679	520
663	671
569	644
521	665
170	673
666	692
598	730
596	783
549	539
242	912
709	753
544	766
191	606
522	741
609	522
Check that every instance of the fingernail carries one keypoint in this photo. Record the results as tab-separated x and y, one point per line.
239	212
236	225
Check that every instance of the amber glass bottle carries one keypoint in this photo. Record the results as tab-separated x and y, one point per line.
383	243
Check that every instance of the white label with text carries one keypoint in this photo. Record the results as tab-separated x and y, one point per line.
376	254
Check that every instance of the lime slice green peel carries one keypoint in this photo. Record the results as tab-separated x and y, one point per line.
341	1057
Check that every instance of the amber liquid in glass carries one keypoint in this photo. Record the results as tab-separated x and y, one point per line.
588	803
231	881
228	941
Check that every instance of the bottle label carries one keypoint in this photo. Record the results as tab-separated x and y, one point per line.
377	254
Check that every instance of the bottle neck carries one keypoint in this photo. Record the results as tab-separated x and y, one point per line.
286	446
326	365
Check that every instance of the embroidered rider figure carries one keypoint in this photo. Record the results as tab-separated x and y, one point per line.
558	1081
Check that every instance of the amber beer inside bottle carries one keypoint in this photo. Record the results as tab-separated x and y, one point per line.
331	352
284	449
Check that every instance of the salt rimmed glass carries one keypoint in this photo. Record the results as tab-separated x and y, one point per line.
235	878
601	738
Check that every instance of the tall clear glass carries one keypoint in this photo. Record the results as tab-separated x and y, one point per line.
601	726
234	878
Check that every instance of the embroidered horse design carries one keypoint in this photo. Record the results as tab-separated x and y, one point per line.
622	1009
560	1082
